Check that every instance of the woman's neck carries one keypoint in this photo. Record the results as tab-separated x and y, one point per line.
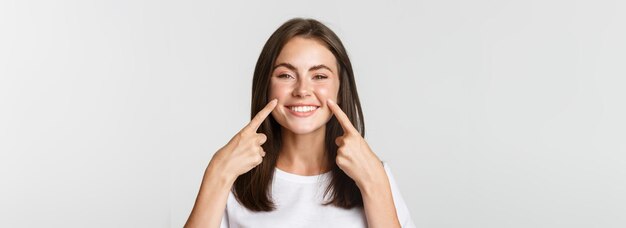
303	154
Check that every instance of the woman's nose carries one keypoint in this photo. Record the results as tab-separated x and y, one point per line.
302	89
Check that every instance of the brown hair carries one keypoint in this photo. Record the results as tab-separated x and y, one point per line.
252	188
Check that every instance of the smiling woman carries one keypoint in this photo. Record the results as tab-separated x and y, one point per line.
301	81
302	160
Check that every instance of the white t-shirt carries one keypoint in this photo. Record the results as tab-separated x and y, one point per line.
299	203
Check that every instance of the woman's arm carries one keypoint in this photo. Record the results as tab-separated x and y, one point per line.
242	153
380	210
211	201
360	163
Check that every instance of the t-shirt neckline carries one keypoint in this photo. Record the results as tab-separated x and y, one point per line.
299	178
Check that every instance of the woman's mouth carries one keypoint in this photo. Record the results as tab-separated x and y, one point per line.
302	110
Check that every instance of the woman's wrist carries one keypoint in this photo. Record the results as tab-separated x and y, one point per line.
374	180
375	187
219	175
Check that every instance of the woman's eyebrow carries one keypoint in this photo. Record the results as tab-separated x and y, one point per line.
293	68
321	66
289	66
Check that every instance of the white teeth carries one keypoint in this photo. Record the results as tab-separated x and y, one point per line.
303	108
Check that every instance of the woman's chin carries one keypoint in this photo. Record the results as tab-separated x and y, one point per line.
301	129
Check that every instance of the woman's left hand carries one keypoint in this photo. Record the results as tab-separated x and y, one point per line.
354	156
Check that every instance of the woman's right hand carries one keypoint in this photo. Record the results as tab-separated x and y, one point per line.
243	152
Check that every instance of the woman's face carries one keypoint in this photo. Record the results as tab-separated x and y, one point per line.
304	76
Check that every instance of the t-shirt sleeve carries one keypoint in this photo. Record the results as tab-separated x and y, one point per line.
401	209
224	223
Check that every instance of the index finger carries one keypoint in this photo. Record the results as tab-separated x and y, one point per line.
341	117
261	115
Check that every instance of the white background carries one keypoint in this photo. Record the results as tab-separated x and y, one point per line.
490	113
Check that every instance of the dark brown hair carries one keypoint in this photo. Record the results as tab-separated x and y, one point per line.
252	188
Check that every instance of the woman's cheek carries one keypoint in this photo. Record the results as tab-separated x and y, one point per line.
326	93
322	92
275	93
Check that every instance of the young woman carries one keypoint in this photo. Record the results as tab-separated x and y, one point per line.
302	160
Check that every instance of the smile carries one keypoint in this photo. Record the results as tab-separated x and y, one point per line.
302	111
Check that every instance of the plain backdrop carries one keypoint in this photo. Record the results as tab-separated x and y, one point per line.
490	113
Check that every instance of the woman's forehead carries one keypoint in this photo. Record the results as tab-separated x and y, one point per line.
304	53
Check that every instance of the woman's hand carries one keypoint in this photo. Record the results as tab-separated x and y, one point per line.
243	152
354	156
360	163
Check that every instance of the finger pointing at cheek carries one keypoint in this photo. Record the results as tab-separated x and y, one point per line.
343	119
261	115
354	155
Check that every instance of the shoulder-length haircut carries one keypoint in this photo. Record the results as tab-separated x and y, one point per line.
252	188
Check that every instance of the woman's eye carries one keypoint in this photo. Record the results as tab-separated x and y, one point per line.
319	76
284	76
